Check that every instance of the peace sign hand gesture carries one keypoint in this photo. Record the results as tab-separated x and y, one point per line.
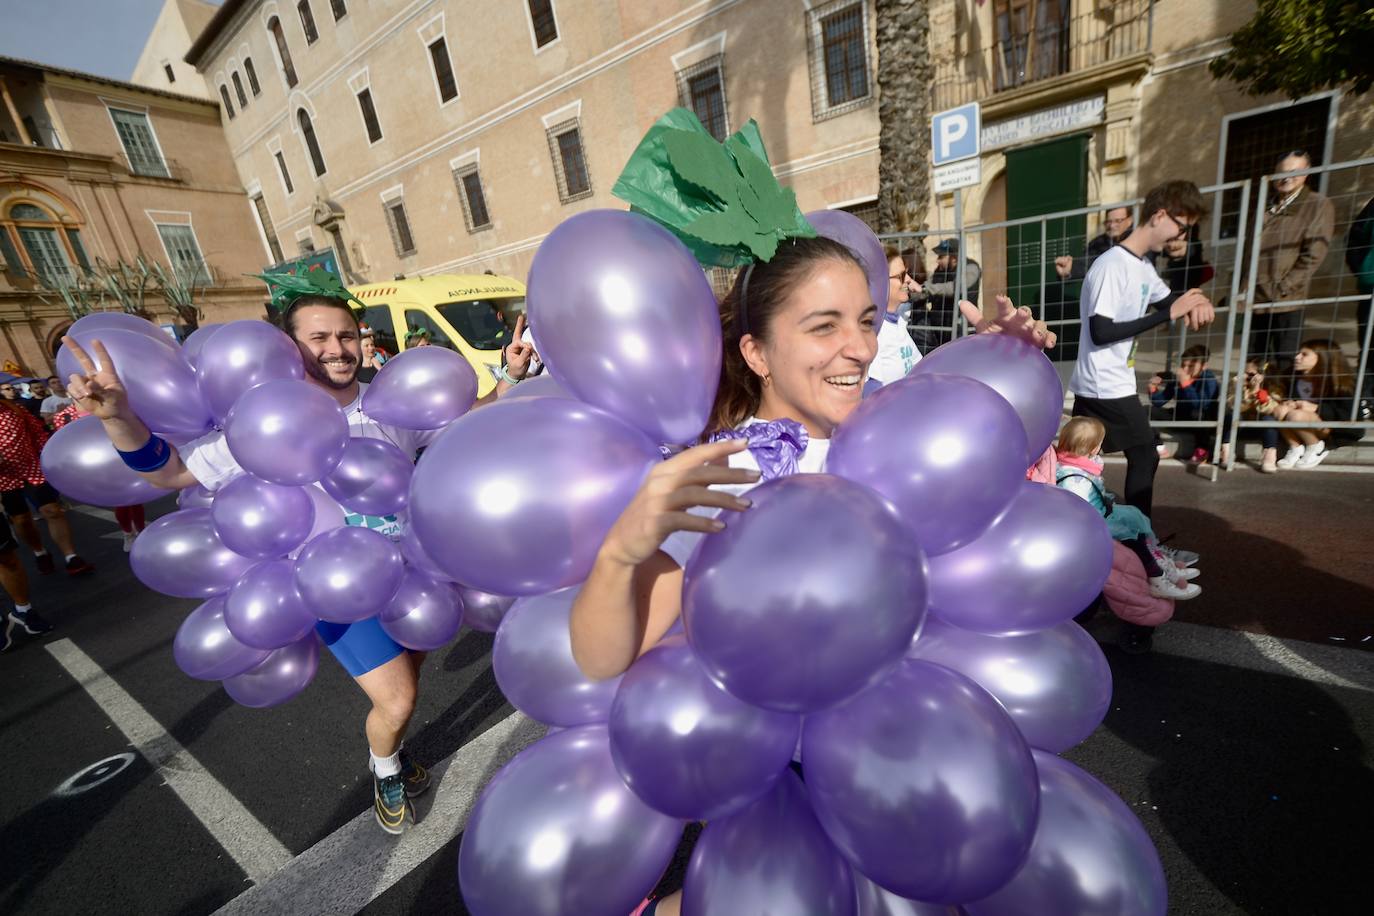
98	391
518	353
1010	320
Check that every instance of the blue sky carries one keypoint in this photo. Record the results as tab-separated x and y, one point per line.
103	37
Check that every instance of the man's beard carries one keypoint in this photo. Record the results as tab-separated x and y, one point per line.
316	370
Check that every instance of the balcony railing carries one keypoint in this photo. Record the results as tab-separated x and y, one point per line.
152	167
1038	40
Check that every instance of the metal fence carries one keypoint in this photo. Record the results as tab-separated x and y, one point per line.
1040	261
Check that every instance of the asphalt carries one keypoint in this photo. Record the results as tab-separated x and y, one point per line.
1242	741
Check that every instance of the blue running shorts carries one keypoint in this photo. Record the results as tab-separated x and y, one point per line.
360	647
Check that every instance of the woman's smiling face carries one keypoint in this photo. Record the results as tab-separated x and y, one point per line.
819	345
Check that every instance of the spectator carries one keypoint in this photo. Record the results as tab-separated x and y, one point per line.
1194	389
940	296
418	337
1359	255
15	583
1320	388
897	352
1297	232
132	519
373	359
22	436
1185	266
1257	402
14	394
56	400
1116	225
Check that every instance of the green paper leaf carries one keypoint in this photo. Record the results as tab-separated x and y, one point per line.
699	160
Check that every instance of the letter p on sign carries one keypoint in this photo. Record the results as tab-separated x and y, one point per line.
955	134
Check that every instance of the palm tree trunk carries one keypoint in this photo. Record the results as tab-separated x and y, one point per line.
905	74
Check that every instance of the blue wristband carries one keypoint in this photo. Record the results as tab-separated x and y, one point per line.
152	456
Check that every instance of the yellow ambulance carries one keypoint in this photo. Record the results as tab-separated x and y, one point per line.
471	314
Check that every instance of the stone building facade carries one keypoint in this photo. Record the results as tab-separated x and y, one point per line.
95	173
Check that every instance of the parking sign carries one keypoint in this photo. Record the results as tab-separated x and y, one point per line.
955	134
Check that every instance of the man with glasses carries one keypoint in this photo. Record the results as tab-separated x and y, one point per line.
1116	227
11	391
1116	306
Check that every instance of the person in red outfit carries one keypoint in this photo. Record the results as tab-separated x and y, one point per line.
132	519
22	436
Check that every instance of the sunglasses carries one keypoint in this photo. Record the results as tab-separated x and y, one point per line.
900	277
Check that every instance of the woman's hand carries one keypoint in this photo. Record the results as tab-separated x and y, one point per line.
1010	320
673	487
98	391
518	353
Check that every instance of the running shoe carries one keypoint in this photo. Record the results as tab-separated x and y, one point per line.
390	804
78	567
416	777
31	621
44	563
1313	456
1180	557
1293	456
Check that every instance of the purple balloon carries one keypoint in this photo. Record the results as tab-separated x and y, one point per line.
196	341
516	498
772	857
260	519
240	356
1014	369
807	597
194	497
348	574
556	832
1091	856
424	614
372	477
918	442
181	554
627	321
1041	563
279	677
541	386
160	384
533	662
414	553
688	748
854	234
874	901
99	322
924	783
328	513
421	388
265	610
1055	683
483	611
286	431
206	650
80	463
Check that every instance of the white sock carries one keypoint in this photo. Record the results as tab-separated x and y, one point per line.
40	553
70	557
23	608
386	766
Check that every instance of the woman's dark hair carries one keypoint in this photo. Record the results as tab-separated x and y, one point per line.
769	284
1330	377
287	319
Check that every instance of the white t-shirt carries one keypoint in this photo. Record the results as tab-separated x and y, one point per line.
680	544
210	461
52	404
1120	286
897	353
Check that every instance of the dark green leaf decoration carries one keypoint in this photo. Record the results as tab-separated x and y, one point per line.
286	288
720	199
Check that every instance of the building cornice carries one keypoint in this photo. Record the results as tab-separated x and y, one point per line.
1067	86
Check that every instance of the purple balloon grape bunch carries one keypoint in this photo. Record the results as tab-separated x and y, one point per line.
908	614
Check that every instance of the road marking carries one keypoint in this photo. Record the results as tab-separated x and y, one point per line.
357	863
1278	653
242	835
94	512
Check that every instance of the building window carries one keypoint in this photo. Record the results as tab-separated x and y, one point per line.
443	70
312	145
169	72
47	255
252	76
469	182
1254	144
74	240
866	211
312	34
31	126
10	255
701	87
224	98
338	8
374	128
285	173
1032	41
543	22
184	253
569	162
238	89
50	247
307	244
140	146
268	230
283	52
837	39
399	224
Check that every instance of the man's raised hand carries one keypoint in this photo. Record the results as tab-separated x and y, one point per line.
1010	320
96	390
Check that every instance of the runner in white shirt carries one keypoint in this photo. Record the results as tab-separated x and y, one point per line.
1115	305
897	351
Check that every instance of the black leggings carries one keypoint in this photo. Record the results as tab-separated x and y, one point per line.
1140	548
1141	462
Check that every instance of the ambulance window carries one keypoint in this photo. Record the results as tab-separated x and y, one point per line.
417	320
479	321
378	318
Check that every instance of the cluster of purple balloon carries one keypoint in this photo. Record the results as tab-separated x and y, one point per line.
270	551
903	622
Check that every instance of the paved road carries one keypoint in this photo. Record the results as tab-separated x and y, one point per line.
1242	741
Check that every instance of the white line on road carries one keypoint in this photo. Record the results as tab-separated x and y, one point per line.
357	863
94	512
242	835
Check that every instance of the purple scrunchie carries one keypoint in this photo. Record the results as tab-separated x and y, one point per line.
775	445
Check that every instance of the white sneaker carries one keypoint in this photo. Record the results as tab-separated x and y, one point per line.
1313	456
1185	575
1161	587
1291	459
129	537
